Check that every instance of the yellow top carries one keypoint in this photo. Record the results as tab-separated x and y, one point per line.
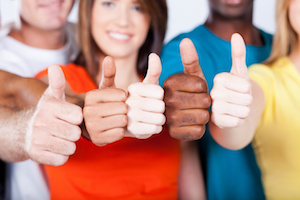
277	138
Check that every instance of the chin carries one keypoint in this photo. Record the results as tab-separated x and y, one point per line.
55	26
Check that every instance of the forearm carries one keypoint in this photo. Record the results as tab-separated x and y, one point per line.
190	180
13	126
233	138
239	136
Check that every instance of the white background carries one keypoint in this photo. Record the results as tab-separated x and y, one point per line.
184	15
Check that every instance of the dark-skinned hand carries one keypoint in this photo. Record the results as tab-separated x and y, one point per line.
186	97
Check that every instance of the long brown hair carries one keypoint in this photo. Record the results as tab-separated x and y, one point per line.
89	56
285	38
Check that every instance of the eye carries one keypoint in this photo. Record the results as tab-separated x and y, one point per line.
108	4
137	7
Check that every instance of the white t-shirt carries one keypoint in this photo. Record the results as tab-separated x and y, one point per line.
25	180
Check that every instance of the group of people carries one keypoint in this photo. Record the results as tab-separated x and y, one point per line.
112	113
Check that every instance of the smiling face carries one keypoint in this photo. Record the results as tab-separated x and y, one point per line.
119	27
231	8
46	14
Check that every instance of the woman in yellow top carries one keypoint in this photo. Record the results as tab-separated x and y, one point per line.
266	107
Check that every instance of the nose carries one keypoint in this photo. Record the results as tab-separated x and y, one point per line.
123	17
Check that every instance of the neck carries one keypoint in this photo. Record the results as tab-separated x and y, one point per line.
38	38
225	27
126	72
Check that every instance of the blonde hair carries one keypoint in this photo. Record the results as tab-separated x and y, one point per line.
285	38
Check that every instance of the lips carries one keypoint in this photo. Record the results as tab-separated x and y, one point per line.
119	36
50	4
233	2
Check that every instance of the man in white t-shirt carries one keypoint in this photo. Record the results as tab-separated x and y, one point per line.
44	38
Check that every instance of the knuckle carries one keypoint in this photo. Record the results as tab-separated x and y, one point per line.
133	87
173	117
60	160
161	119
76	134
247	85
160	91
204	116
234	122
249	99
71	149
217	120
122	94
152	129
161	106
218	78
216	107
158	129
214	93
201	84
246	112
124	108
123	120
206	101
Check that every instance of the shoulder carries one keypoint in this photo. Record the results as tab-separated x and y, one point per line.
270	70
269	77
10	58
261	73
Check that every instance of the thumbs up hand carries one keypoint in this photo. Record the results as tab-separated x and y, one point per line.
186	97
231	93
105	108
145	103
54	127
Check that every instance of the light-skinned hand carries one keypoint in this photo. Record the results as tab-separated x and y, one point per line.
105	110
54	126
145	103
231	93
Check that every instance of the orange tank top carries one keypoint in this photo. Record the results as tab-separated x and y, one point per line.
126	169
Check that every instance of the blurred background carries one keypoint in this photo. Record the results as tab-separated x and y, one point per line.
184	15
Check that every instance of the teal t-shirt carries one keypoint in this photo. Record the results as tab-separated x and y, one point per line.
228	174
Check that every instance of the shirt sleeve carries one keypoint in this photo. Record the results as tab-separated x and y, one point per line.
264	77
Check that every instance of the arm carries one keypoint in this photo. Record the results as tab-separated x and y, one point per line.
17	96
18	119
18	92
186	97
190	179
234	120
237	103
13	126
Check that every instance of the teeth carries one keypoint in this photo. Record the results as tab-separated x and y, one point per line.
119	36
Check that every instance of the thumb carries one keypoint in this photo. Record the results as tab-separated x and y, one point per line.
238	54
190	59
108	73
154	69
57	83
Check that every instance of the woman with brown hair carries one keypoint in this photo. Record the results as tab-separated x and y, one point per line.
265	109
127	167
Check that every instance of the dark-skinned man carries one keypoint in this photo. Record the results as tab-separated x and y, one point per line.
227	174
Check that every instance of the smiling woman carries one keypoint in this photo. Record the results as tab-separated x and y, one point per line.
140	159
